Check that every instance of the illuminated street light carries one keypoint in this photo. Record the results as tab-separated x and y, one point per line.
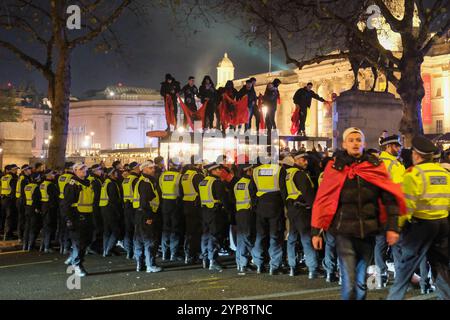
1	150
180	129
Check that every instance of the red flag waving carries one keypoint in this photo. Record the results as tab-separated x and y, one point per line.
193	116
295	121
171	117
233	112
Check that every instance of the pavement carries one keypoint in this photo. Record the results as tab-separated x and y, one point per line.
35	275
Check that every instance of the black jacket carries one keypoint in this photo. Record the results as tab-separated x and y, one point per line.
358	211
146	195
207	93
189	94
303	184
250	93
53	195
303	97
97	187
170	89
115	199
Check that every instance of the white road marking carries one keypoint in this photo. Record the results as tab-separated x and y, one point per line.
13	252
125	294
424	297
25	264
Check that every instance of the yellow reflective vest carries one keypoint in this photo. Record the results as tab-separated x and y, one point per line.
43	188
394	167
29	190
267	178
242	194
127	187
187	183
85	202
154	203
169	182
104	197
19	186
206	192
427	191
62	181
292	191
6	184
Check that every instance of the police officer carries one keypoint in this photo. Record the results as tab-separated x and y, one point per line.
212	191
111	207
391	147
63	232
192	210
146	202
245	196
8	194
172	218
78	205
32	212
270	180
300	197
427	191
24	179
128	185
96	180
49	208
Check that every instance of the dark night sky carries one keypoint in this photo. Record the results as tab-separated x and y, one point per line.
152	50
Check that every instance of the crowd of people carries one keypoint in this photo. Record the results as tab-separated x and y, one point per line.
228	107
333	214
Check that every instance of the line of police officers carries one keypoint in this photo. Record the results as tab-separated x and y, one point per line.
144	208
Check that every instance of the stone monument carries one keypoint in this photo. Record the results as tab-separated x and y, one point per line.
15	142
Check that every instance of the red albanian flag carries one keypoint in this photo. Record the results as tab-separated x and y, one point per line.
171	118
193	116
233	112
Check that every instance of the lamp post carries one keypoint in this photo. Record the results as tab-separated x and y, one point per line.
92	140
46	143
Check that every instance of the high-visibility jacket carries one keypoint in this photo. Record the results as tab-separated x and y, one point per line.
242	194
127	187
104	197
394	167
206	192
19	186
267	178
85	203
62	181
187	183
6	184
427	191
154	203
169	182
292	191
29	190
43	188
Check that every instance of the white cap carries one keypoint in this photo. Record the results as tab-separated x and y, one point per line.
147	164
288	160
353	130
79	166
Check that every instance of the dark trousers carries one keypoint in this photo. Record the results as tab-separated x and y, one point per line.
48	224
212	220
303	114
270	118
354	257
245	232
172	226
111	227
300	226
420	239
193	226
129	214
20	205
63	231
81	236
269	225
209	118
97	235
33	221
8	215
146	238
252	112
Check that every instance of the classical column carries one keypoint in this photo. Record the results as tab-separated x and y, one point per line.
446	94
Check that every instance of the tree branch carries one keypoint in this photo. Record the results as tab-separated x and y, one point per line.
427	46
103	25
396	25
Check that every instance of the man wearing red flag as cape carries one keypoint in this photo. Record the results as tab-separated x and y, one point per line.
169	90
355	200
232	112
